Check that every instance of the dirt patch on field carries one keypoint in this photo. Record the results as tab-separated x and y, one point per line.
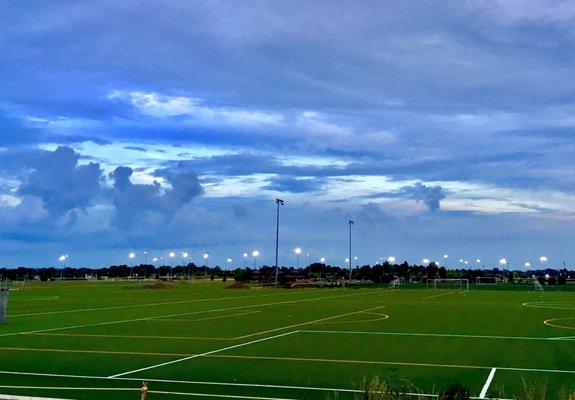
157	285
238	285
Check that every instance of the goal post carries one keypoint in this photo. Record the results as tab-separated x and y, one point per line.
450	284
3	304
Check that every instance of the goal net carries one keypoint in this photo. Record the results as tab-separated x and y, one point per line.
3	304
450	284
394	284
538	285
486	280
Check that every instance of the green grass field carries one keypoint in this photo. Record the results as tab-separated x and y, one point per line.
99	340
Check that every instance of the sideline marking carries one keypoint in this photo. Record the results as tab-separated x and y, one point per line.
448	335
549	305
129	336
487	383
201	355
256	385
179	314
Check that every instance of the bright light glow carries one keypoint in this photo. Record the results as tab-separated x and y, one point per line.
347	260
256	253
245	255
425	261
297	250
172	254
543	259
527	264
155	259
478	261
547	276
503	261
322	260
445	256
465	262
461	260
391	259
62	258
185	254
132	255
229	260
206	255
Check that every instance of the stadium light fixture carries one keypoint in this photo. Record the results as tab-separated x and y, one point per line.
527	264
503	262
245	260
391	259
478	261
445	257
543	260
322	260
425	261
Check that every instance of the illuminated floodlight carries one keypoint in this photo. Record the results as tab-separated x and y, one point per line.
132	255
503	261
425	261
322	260
172	254
256	253
391	259
527	264
206	256
478	261
297	250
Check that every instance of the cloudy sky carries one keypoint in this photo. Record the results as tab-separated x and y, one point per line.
438	126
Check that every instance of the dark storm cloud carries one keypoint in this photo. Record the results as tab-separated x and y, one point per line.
137	204
291	184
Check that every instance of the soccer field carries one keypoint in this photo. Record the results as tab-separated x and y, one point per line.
99	340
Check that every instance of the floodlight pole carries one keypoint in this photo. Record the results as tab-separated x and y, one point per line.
351	222
279	203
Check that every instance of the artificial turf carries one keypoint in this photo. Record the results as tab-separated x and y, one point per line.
203	340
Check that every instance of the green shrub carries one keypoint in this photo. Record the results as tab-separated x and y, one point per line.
455	391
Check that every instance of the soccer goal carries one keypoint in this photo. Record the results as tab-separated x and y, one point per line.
538	285
451	284
397	282
486	280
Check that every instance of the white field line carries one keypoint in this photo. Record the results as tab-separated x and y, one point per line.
141	305
178	314
248	343
487	383
445	335
201	355
209	318
439	295
134	336
233	384
310	322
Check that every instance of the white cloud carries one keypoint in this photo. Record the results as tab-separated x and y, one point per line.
161	106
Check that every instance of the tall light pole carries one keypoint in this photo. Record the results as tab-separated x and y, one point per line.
132	255
255	254
172	255
445	257
527	265
543	260
391	261
297	252
229	261
207	263
351	222
279	203
185	256
425	262
245	260
503	262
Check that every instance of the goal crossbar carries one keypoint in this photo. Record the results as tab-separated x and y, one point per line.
453	284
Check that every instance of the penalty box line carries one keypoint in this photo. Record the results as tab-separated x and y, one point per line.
201	355
251	342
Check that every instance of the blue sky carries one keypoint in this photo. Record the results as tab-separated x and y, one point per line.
440	127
